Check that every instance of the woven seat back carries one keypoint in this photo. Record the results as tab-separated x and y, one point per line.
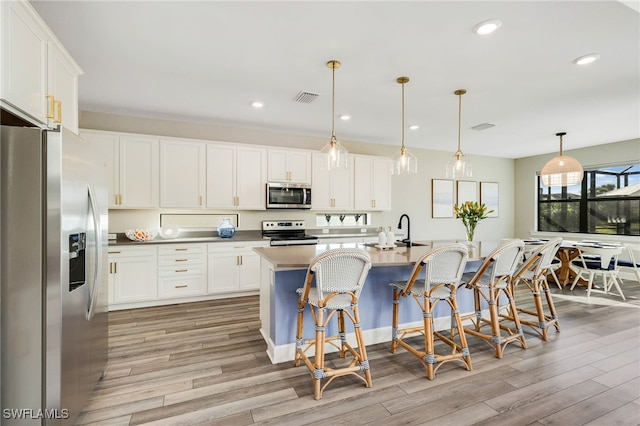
340	271
506	258
541	259
443	265
549	252
502	262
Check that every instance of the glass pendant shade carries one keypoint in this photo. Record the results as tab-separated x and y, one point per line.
458	166
562	170
335	153
404	162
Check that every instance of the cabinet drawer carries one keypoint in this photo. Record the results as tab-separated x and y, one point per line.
131	251
181	287
235	246
180	260
181	249
182	270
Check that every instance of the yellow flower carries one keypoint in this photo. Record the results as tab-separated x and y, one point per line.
470	212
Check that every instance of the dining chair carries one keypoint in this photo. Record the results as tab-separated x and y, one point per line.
443	269
488	284
533	273
633	262
339	276
604	264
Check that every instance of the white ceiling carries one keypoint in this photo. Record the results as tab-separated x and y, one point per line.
207	61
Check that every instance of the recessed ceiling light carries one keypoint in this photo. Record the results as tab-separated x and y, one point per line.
487	27
345	117
414	127
257	104
586	59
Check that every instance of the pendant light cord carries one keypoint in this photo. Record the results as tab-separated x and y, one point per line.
402	150
459	118
561	134
333	101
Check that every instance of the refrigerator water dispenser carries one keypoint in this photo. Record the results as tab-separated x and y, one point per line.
77	249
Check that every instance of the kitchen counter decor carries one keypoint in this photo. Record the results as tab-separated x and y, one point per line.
226	229
140	235
471	212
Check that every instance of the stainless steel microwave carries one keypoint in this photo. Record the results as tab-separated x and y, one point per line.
288	196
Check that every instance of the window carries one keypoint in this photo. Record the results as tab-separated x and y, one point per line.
606	202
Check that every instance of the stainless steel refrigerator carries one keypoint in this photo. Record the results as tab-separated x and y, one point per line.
53	257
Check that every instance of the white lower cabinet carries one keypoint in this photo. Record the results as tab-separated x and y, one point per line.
152	275
233	267
182	271
133	274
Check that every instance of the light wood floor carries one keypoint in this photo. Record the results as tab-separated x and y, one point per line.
205	363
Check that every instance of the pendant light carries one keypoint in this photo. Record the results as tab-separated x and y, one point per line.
458	166
561	170
334	151
404	162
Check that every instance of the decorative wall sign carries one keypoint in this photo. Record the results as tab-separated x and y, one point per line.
489	196
441	198
466	191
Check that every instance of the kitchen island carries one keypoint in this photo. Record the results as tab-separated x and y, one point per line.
283	270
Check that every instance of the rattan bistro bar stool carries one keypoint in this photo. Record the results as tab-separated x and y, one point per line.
490	282
533	273
443	267
339	276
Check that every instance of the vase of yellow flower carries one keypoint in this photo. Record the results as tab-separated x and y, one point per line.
471	212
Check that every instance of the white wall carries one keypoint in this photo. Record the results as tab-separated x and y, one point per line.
525	178
411	194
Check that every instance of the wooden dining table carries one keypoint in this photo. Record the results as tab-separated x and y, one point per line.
566	253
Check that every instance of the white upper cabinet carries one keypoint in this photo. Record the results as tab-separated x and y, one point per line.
108	145
221	176
133	164
39	79
139	186
183	173
236	177
372	183
289	166
63	86
251	178
332	189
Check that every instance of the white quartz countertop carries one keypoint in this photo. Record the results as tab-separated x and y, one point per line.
299	257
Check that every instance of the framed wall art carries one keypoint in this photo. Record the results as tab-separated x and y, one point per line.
466	191
489	196
441	198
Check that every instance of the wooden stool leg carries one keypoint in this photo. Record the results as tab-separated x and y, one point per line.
553	316
299	332
539	310
429	344
466	356
478	307
496	335
394	324
342	334
516	317
362	348
318	372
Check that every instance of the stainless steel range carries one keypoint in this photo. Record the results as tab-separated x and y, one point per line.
287	233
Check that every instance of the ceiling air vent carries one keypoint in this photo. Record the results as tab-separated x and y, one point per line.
305	97
483	126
